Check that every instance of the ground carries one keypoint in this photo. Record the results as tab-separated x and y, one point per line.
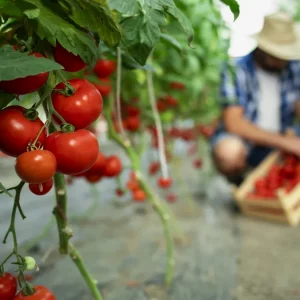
220	254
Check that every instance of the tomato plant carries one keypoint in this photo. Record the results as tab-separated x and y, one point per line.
40	293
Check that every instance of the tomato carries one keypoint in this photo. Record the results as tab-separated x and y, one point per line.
139	195
133	111
75	152
41	293
98	166
104	68
70	61
93	178
164	182
198	163
113	166
177	86
133	123
42	188
8	286
104	89
26	85
133	185
80	109
36	166
161	106
119	192
154	168
171	198
17	131
171	101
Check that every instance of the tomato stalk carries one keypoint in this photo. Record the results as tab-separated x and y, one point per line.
154	200
20	260
161	142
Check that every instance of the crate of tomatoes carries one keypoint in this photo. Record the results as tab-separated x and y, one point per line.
272	190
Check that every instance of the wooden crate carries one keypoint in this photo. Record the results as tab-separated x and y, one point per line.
285	209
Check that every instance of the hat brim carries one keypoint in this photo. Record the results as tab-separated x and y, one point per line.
283	51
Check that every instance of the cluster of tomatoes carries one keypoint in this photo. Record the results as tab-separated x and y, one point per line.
284	175
74	150
9	286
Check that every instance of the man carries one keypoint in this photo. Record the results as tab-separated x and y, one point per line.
260	100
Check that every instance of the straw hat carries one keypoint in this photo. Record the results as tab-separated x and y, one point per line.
280	36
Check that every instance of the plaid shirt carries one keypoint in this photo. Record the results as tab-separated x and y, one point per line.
243	89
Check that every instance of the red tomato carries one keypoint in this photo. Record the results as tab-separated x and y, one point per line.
133	111
139	195
171	101
75	152
177	86
133	123
197	163
161	106
98	166
36	166
26	85
41	293
113	166
104	68
164	183
171	198
8	286
119	192
105	88
17	131
154	168
133	185
70	61
93	178
288	171
42	188
82	108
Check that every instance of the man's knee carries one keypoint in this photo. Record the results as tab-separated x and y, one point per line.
230	156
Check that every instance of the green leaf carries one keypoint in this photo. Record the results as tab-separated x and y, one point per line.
5	99
183	21
94	16
126	7
15	64
4	190
171	41
29	10
52	26
234	7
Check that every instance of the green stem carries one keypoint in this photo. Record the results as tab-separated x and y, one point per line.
90	282
60	213
154	200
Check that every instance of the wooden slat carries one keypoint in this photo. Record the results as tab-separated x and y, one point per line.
267	217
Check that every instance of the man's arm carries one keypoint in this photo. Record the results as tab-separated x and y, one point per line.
236	123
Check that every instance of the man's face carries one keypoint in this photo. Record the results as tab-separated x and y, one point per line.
270	63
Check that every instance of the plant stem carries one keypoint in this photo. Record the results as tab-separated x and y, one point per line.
154	200
60	213
91	283
161	142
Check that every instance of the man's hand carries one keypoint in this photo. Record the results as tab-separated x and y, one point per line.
290	144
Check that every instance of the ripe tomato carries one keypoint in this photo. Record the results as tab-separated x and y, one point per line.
105	88
70	61
36	166
119	192
104	68
41	293
93	178
198	163
171	101
139	195
164	183
98	166
42	188
154	168
113	166
8	286
26	85
133	111
80	109
133	123
133	185
177	86
17	131
75	152
171	198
